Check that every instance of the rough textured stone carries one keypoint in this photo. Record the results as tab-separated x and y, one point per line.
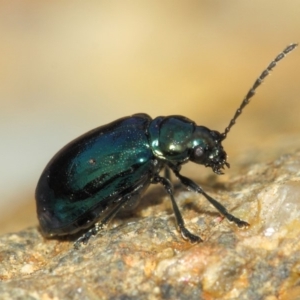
144	257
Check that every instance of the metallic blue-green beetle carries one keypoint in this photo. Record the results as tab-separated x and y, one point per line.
89	180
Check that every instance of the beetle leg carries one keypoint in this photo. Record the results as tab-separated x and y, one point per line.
85	237
186	234
167	174
191	185
99	226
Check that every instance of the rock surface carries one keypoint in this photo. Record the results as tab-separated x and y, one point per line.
144	257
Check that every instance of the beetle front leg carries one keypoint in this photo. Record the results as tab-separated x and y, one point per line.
186	234
196	188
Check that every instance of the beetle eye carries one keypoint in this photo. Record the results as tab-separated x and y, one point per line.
198	151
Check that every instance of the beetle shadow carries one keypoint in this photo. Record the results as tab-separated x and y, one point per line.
64	238
152	198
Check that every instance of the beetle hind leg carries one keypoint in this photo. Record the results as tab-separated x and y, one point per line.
102	224
86	236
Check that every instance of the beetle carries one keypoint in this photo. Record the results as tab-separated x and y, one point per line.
108	168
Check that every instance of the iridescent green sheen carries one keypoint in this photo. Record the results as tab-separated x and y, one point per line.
89	174
171	138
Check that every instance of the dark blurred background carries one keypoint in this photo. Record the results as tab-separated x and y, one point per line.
69	66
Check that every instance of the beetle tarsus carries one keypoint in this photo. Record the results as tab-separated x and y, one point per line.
85	238
193	239
240	223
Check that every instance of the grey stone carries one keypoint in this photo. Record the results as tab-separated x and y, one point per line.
144	257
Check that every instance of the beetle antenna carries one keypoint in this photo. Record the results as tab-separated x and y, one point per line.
256	84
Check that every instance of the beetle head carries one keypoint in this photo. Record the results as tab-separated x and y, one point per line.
208	150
